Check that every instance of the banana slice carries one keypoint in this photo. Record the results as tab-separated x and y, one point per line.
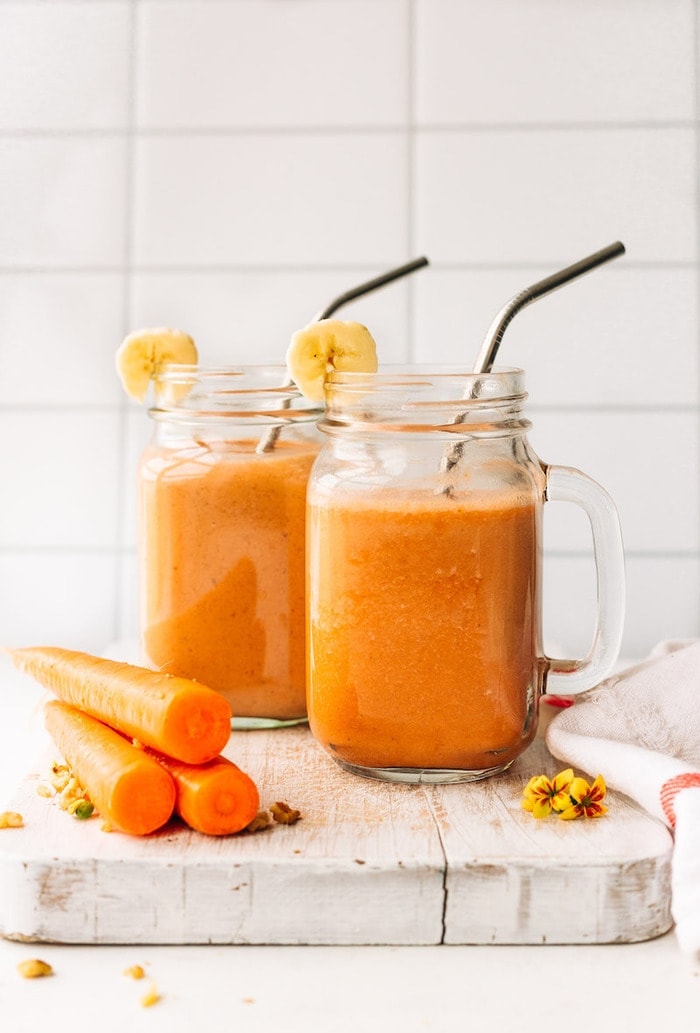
143	353
325	345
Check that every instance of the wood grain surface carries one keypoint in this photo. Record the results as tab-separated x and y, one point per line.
368	863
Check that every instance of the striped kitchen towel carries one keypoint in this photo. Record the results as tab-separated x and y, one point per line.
640	729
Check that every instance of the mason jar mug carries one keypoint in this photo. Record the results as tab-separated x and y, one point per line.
424	546
222	533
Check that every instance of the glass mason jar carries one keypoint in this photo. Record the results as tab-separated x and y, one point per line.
222	488
424	544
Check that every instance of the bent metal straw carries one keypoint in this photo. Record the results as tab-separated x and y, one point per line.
267	443
494	334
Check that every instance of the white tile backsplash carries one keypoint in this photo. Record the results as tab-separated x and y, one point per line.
273	64
249	317
600	341
62	201
63	467
661	603
138	430
647	461
270	199
229	166
487	197
59	333
562	62
58	598
64	65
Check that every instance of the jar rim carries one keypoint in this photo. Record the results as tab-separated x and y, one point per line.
246	393
426	398
411	373
184	370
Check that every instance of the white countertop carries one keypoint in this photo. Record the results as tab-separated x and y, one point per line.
647	986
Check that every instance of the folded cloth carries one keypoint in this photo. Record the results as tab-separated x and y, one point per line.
640	729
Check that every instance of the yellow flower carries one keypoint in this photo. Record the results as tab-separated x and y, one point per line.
586	800
542	796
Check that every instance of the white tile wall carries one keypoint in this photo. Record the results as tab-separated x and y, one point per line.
272	65
268	199
230	165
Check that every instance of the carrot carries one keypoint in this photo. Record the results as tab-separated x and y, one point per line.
130	789
172	715
216	798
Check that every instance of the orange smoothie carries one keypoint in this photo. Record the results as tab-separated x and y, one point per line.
423	627
222	569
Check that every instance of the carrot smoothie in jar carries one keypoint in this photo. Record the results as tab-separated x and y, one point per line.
424	542
423	629
222	533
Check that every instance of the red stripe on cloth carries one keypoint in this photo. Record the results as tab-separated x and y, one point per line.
559	701
671	789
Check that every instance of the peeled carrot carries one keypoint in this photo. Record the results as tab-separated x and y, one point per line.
130	789
216	798
172	715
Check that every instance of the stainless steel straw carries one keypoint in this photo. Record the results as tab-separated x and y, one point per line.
268	441
495	332
499	325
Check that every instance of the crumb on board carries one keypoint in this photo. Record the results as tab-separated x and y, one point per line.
34	968
135	972
150	997
284	814
11	820
69	793
259	822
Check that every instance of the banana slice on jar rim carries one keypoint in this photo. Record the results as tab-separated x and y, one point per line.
143	353
325	345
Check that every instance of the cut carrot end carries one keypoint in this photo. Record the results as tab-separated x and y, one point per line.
216	798
131	790
142	800
197	726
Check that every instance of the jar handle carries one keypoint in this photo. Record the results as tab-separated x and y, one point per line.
565	677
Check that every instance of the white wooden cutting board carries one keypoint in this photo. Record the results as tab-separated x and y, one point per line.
369	863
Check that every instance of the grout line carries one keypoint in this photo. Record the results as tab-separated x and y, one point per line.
127	307
410	174
696	100
331	129
203	269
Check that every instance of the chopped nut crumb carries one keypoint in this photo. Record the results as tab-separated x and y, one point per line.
284	814
259	822
82	809
151	996
33	968
71	795
11	820
135	971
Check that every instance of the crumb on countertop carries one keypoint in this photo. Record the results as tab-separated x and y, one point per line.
34	968
284	814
